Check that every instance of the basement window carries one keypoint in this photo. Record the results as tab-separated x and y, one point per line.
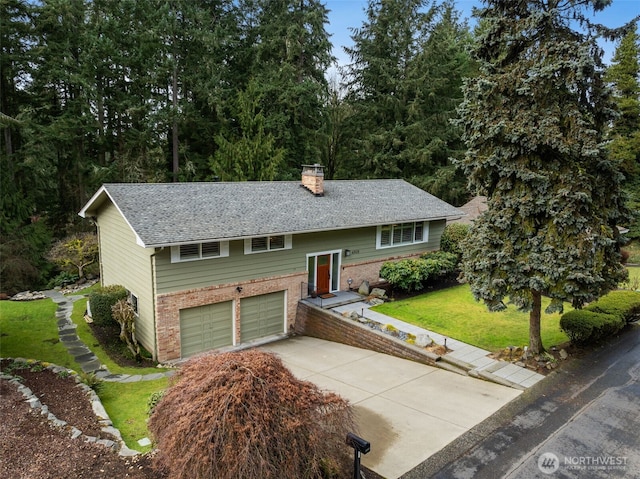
198	251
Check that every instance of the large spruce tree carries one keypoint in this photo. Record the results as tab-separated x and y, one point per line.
534	122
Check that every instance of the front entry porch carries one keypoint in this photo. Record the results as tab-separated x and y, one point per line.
337	298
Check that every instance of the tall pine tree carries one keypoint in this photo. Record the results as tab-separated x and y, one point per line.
404	84
624	75
534	123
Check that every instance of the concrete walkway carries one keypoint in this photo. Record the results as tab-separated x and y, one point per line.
469	358
88	361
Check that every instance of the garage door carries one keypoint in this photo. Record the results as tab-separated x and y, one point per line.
261	316
206	327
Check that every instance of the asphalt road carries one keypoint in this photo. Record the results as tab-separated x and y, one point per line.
581	422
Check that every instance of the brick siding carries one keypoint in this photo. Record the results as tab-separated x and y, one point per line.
323	324
168	307
367	271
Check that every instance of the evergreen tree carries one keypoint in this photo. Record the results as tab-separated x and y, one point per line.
624	147
534	123
404	85
290	51
60	124
247	153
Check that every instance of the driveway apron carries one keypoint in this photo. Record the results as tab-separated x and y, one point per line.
406	410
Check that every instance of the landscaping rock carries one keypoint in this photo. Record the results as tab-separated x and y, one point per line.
378	293
375	301
28	296
364	288
563	354
423	340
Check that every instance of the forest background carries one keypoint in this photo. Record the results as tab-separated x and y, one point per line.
97	91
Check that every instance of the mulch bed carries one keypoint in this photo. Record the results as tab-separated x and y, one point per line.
31	447
108	338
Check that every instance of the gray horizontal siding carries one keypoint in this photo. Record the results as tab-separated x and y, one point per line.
238	267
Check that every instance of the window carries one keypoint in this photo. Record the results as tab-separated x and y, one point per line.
261	244
133	300
197	251
402	234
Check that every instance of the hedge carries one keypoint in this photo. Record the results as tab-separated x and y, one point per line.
584	326
101	301
623	303
602	318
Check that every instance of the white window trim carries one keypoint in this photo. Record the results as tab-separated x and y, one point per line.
136	310
425	235
248	250
175	252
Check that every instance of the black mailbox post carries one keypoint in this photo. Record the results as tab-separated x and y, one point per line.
360	446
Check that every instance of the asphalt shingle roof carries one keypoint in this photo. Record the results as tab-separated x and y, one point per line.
163	214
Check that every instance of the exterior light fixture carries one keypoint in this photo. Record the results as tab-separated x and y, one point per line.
347	252
349	282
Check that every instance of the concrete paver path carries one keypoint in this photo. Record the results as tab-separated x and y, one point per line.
88	361
475	359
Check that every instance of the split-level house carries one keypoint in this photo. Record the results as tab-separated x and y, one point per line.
215	265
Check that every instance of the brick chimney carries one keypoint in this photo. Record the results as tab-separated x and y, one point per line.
313	178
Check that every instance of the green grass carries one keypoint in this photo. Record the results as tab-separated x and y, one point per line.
29	329
126	404
453	312
634	252
634	278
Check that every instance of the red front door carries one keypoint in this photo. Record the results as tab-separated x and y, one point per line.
323	274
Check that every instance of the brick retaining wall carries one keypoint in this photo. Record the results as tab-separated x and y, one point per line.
323	324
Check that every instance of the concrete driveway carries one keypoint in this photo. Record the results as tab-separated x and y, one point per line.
408	411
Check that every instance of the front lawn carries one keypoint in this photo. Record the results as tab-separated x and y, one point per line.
29	330
453	312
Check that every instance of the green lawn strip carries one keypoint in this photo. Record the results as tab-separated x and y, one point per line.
634	252
453	312
634	277
29	329
126	404
85	335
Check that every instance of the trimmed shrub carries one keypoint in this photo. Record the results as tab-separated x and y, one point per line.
406	274
602	318
452	237
244	415
410	274
102	300
584	327
439	263
625	304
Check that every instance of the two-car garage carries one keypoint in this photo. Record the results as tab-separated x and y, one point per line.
208	327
